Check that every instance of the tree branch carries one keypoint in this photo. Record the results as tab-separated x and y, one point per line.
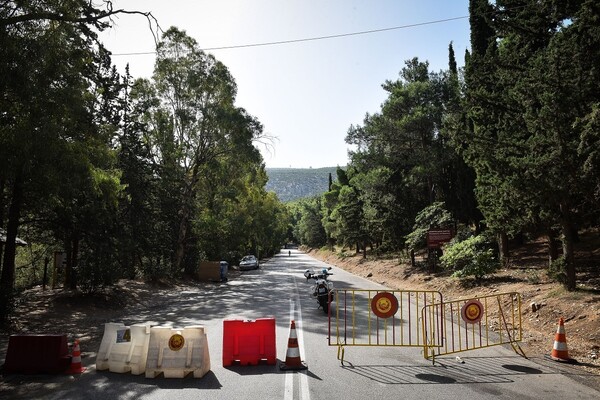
88	14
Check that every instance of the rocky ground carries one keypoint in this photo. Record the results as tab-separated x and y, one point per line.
82	316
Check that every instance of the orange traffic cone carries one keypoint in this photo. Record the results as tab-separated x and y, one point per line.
76	367
560	351
292	357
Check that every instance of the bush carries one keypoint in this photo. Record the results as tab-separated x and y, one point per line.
417	238
557	270
470	257
433	215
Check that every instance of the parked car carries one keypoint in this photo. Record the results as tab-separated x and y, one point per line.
248	262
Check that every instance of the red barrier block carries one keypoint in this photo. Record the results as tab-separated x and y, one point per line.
37	354
248	341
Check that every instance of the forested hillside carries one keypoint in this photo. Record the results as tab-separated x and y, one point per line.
296	183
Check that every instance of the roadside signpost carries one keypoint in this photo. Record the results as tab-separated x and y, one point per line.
435	239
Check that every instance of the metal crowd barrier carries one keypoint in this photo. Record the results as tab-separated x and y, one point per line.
354	321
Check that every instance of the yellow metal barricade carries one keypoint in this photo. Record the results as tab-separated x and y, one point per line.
474	323
354	321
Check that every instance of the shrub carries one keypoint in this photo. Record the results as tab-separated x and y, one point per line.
470	257
557	270
433	215
342	254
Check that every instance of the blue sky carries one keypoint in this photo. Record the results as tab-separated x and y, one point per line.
306	94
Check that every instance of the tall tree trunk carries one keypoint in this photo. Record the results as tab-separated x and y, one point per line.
67	272
182	235
189	194
181	239
520	239
7	279
503	247
430	190
74	260
568	250
45	277
2	197
552	247
575	234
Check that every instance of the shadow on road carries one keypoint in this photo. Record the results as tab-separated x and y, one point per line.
447	371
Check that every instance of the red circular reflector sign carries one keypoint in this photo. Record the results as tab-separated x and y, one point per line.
472	311
384	304
176	342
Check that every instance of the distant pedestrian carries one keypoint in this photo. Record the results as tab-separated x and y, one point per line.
289	253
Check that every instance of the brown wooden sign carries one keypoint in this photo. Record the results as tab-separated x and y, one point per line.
437	237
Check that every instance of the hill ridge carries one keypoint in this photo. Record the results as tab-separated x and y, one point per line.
291	184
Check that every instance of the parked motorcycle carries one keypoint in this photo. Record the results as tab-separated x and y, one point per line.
323	289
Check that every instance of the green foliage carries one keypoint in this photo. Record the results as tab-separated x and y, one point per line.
557	270
379	207
343	254
157	174
529	138
417	238
199	169
29	262
434	215
470	257
56	154
404	161
349	217
310	230
533	277
131	179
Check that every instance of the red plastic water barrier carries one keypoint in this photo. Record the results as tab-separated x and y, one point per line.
249	341
37	354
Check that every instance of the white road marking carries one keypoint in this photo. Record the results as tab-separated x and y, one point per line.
304	391
296	315
288	393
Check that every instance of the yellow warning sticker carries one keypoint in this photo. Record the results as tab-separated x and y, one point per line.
472	311
384	304
176	342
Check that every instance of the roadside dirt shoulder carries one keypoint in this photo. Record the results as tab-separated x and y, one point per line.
81	316
580	309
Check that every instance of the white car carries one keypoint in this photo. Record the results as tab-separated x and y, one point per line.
248	262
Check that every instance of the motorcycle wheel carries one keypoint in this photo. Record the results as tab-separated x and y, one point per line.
324	304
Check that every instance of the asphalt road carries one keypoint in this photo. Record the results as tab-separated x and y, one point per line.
279	290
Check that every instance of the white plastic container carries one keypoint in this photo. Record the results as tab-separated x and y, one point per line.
124	348
177	352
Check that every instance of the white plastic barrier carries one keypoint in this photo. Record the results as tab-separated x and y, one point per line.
123	348
177	352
